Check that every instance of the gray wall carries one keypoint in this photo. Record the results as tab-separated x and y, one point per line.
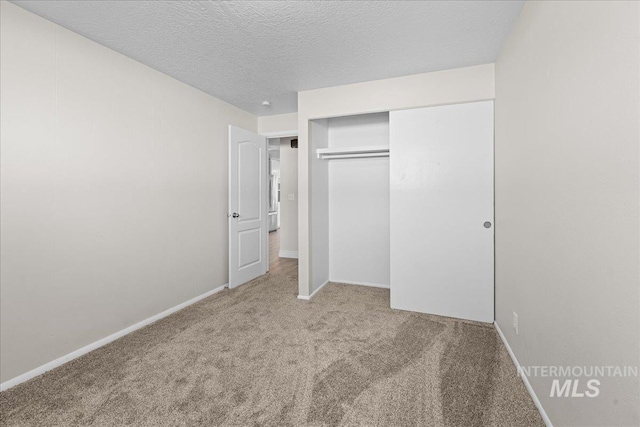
567	199
114	191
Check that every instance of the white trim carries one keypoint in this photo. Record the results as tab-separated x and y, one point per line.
302	297
86	349
525	380
288	254
281	134
371	285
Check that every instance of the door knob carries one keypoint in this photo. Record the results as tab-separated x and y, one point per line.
235	215
487	224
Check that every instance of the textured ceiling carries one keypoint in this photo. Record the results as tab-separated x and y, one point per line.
247	52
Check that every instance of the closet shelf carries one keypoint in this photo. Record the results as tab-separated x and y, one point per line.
353	152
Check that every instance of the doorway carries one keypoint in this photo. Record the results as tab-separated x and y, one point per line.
263	226
283	203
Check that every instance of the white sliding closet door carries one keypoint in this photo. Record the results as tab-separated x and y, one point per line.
441	168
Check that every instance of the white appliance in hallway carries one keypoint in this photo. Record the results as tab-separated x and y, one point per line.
248	194
274	192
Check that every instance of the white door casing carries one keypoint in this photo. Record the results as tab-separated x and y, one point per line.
441	170
248	206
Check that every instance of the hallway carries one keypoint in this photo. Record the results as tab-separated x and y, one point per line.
277	265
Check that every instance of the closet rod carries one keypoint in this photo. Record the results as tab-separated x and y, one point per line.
352	156
353	152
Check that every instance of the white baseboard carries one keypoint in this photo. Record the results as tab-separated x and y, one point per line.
86	349
302	297
372	285
288	254
527	384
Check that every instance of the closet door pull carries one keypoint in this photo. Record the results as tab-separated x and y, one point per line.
487	224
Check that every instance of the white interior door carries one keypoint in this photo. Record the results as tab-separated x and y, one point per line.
441	168
248	206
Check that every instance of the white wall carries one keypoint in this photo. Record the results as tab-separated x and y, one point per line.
279	123
288	208
567	203
319	233
359	203
114	191
421	90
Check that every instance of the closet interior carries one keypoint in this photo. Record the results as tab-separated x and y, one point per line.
404	200
349	204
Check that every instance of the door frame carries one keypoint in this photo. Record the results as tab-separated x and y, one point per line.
280	134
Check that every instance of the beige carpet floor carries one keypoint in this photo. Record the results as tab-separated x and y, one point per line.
258	356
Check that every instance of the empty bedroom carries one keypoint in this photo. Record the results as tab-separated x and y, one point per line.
320	213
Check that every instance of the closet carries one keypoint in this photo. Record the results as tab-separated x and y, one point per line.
404	200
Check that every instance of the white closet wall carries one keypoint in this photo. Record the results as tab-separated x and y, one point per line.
319	212
358	196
